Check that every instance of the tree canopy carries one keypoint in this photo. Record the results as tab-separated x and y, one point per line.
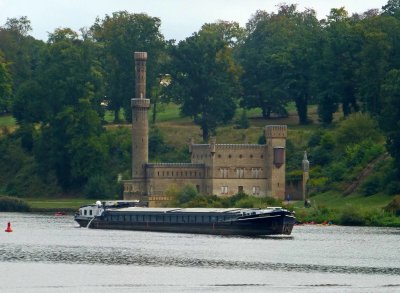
205	76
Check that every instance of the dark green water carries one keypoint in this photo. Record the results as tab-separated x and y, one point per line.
50	254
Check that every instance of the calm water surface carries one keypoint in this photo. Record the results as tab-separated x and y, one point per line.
51	254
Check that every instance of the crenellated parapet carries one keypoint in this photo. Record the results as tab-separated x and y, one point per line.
140	103
239	146
174	165
275	131
140	56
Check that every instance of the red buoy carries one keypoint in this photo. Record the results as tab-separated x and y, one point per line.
8	227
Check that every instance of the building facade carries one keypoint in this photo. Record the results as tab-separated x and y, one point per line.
220	169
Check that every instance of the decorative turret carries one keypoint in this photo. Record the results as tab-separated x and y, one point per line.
306	166
305	162
213	142
140	106
191	143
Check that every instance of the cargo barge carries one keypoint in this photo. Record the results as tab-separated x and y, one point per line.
218	221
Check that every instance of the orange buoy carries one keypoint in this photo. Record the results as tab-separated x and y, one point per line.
8	227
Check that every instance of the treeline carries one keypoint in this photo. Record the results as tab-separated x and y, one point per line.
58	90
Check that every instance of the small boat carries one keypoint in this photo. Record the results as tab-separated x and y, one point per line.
219	221
57	214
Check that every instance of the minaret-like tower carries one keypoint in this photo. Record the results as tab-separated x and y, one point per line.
140	127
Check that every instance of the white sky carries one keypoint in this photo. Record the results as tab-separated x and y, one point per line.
179	18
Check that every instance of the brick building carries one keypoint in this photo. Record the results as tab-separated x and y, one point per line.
220	169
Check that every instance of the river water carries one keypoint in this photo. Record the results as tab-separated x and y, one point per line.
46	253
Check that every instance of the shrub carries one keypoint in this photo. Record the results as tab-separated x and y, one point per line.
336	171
351	216
13	204
243	121
372	185
356	128
394	206
101	187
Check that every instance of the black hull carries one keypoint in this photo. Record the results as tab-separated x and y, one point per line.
281	224
82	222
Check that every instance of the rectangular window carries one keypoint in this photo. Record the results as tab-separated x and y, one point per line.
224	172
240	172
256	190
224	189
256	172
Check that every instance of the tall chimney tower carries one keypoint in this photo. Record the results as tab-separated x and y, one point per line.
140	106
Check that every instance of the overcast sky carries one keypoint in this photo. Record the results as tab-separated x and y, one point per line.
179	18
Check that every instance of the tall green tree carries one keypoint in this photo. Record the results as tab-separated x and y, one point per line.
337	66
373	61
278	58
299	75
205	76
264	58
63	101
390	116
21	52
121	34
5	85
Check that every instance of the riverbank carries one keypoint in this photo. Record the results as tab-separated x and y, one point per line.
46	205
352	210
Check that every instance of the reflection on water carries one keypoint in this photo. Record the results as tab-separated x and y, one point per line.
314	258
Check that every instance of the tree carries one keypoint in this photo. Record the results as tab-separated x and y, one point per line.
374	60
21	53
121	34
336	67
278	56
300	73
62	100
5	85
390	115
263	58
205	76
392	8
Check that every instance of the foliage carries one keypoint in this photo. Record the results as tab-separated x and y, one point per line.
394	206
336	66
13	204
101	187
119	35
205	77
357	128
277	57
243	121
19	174
187	196
21	54
390	119
5	85
351	216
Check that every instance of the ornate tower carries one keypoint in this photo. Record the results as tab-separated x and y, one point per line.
140	106
306	166
275	136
